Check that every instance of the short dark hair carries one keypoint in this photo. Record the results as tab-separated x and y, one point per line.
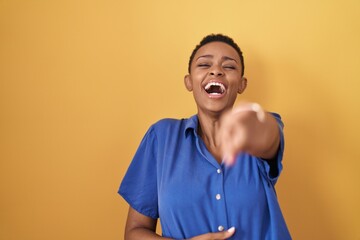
218	38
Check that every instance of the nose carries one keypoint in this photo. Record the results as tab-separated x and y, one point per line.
216	71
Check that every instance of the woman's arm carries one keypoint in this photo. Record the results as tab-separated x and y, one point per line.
139	226
249	129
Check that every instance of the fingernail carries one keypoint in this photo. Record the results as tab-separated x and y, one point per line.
231	230
260	114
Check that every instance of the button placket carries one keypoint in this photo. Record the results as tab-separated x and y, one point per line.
220	200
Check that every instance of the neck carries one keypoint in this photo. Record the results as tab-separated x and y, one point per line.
208	130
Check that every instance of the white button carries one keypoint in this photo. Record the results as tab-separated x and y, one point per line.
218	196
220	228
219	170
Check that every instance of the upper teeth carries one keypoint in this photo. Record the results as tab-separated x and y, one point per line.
210	84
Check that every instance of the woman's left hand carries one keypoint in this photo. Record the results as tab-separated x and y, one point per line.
248	128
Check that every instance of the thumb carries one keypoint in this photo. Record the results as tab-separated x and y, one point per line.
224	234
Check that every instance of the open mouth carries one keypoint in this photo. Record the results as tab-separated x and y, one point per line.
215	88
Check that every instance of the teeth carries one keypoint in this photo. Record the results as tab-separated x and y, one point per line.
210	84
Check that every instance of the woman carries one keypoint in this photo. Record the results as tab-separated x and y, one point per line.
211	176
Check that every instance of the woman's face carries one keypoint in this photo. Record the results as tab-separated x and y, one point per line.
215	77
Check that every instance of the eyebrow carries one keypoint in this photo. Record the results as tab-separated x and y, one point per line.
211	56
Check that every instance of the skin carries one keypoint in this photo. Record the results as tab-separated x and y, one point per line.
226	131
139	226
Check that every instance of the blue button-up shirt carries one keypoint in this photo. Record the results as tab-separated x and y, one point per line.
175	178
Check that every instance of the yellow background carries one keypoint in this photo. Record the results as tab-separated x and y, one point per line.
81	81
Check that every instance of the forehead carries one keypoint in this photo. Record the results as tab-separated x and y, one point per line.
218	49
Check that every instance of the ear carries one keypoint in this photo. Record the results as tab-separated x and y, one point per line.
242	85
188	83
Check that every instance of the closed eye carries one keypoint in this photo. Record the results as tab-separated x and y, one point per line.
203	65
229	67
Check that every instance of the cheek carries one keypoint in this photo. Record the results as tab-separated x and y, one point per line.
197	78
197	74
235	83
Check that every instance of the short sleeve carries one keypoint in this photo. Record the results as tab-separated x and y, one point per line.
139	185
274	167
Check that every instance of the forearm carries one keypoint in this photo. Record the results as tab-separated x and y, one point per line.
139	226
143	233
265	140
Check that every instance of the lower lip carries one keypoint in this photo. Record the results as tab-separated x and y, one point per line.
215	96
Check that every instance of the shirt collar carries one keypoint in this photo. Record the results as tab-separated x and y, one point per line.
191	124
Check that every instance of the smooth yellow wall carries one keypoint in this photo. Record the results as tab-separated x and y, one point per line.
81	81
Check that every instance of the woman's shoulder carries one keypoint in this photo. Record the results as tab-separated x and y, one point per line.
167	122
171	124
